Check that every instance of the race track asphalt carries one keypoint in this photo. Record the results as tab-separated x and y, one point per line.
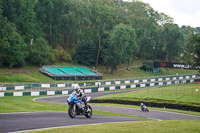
13	122
153	114
28	121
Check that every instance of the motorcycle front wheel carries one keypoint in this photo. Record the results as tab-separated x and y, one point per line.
88	111
72	110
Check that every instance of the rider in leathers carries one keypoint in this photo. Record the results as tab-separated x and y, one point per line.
80	93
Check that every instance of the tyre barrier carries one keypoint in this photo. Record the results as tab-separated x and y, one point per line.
151	104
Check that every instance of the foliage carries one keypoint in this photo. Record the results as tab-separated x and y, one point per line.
12	47
173	41
86	52
62	55
40	52
146	68
122	47
83	28
194	49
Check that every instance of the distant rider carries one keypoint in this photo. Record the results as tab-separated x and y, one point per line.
142	106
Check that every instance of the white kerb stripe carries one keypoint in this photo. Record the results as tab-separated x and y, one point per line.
127	82
152	80
167	78
19	87
2	88
133	86
108	83
180	77
184	81
136	81
60	85
142	85
144	80
160	79
73	85
176	82
152	84
50	92
117	82
35	93
97	83
45	85
64	92
88	90
123	87
101	89
1	94
192	80
18	94
160	83
169	83
112	87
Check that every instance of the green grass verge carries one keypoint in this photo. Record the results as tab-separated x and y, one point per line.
135	72
35	77
26	104
175	94
183	126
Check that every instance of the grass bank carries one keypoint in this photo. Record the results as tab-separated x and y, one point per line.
175	94
184	126
121	73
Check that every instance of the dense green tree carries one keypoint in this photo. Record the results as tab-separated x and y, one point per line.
86	52
82	29
21	12
173	40
196	56
40	52
12	47
122	47
143	19
193	45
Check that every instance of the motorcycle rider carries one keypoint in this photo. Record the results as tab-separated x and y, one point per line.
143	107
80	93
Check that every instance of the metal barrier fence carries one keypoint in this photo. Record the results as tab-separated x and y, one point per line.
35	89
23	86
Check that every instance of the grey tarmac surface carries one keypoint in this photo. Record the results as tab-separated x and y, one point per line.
153	114
14	122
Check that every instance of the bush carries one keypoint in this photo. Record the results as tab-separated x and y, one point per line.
62	55
146	68
41	53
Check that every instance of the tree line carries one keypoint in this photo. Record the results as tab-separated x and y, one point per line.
90	32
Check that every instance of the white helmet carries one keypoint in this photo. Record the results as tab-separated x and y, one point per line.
77	88
142	104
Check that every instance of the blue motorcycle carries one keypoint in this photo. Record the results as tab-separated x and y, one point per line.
79	106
